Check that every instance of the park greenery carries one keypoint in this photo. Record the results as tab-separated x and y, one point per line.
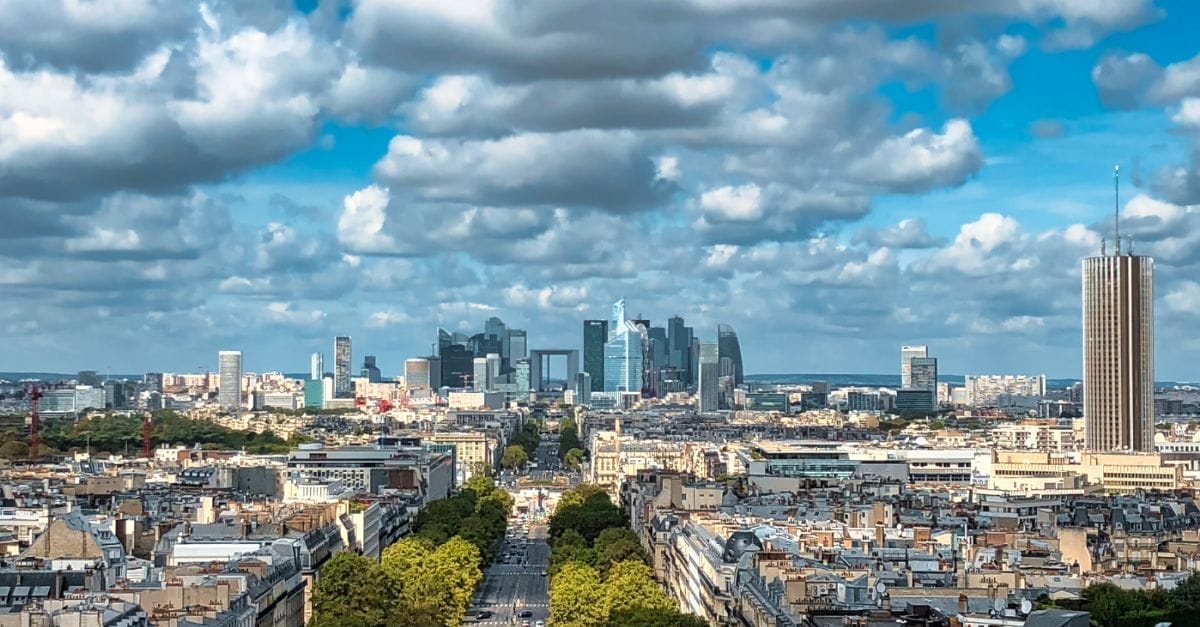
112	432
424	580
1112	606
528	437
568	439
600	575
514	457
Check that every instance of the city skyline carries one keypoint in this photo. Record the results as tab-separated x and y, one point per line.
945	174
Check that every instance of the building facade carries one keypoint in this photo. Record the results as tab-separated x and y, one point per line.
595	336
342	387
229	366
907	353
1118	352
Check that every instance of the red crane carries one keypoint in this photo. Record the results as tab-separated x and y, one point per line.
147	426
35	424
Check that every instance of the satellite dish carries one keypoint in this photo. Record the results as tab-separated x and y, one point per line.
880	588
999	605
1026	607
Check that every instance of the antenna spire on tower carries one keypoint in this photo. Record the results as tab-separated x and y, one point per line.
1117	205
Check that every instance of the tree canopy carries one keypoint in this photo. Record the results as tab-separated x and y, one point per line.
354	591
600	574
514	458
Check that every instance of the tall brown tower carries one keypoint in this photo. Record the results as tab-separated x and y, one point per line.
1118	351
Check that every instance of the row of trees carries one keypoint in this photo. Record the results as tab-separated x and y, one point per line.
600	575
424	580
1112	606
570	448
119	432
528	437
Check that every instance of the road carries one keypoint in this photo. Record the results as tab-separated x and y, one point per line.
516	585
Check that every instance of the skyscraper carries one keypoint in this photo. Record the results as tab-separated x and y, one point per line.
923	373
1118	352
517	345
479	374
342	386
907	353
370	370
623	353
708	390
728	345
595	335
316	367
417	374
229	367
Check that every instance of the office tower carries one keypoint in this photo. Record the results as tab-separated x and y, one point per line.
493	370
708	389
89	378
923	372
694	361
623	353
659	349
229	367
342	386
517	346
494	328
370	371
728	345
521	376
907	353
444	340
1118	351
314	394
595	335
153	382
417	373
457	363
435	372
583	388
316	367
479	372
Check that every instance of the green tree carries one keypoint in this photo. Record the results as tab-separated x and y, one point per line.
568	438
646	617
573	459
631	585
354	591
577	597
14	449
514	458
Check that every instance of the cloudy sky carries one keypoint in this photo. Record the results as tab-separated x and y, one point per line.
834	178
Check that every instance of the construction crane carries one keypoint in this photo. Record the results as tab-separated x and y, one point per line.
35	424
147	427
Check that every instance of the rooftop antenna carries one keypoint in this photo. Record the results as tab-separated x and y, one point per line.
1117	205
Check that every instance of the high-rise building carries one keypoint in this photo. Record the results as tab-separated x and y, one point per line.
659	348
417	374
595	336
479	374
342	386
517	345
708	387
370	370
89	378
521	377
623	353
229	367
989	390
728	345
907	353
494	328
457	366
493	370
1118	352
316	367
923	373
153	381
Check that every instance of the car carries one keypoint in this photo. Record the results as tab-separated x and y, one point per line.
540	623
483	615
544	573
525	623
525	614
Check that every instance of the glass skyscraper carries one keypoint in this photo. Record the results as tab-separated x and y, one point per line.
728	346
342	386
595	336
623	353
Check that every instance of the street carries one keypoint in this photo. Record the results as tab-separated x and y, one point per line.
515	589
